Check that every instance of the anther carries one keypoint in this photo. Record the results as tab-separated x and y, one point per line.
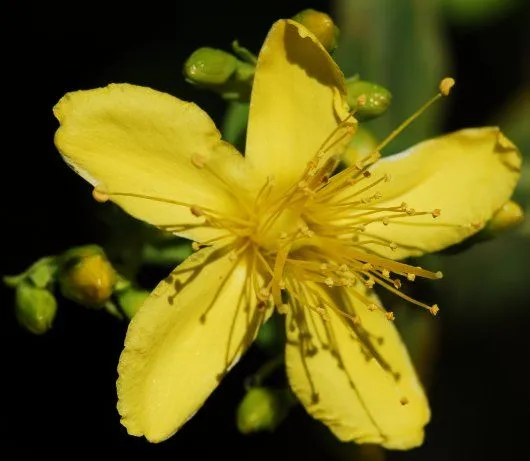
404	401
390	316
372	307
367	267
411	277
195	246
434	309
397	284
439	274
196	211
264	294
435	213
329	282
393	246
198	160
99	194
386	221
445	86
369	283
410	211
386	273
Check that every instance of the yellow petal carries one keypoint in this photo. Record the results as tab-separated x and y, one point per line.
340	382
298	99
468	175
187	335
132	139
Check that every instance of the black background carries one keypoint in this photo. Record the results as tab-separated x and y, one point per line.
58	389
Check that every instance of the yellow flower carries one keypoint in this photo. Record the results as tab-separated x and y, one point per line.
276	229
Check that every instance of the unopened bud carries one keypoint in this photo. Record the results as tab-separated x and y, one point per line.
131	300
35	307
362	143
210	66
367	99
508	216
262	409
86	276
322	27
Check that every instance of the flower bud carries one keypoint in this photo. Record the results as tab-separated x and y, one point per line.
368	99
35	307
321	25
131	300
508	216
263	409
209	66
362	144
86	276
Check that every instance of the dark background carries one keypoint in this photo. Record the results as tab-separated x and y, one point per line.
59	389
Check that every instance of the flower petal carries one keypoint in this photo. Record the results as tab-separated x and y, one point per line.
298	100
358	379
187	335
132	139
468	175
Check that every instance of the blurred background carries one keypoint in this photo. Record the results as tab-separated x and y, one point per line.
59	396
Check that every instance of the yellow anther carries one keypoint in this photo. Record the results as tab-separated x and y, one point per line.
434	309
329	282
386	221
302	185
264	294
386	273
369	283
372	307
411	277
397	284
367	267
445	85
387	177
390	316
393	246
198	160
404	401
282	309
99	194
367	174
196	211
343	267
195	246
378	195
439	274
435	213
410	211
356	320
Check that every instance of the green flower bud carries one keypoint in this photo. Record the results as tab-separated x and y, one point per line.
131	300
86	276
362	143
368	99
209	66
321	25
263	409
221	72
511	214
35	307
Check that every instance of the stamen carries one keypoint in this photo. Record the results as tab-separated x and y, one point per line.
445	85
